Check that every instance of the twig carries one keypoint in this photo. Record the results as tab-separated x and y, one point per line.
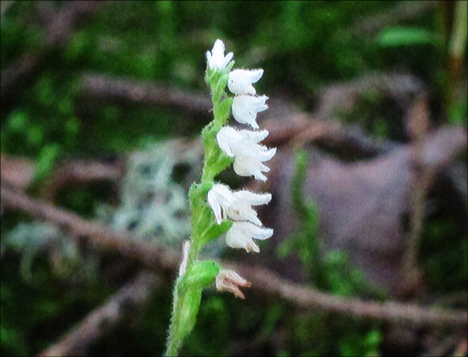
119	307
270	283
125	89
262	279
150	255
403	11
417	128
79	172
58	31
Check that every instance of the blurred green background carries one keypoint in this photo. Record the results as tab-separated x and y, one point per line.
47	117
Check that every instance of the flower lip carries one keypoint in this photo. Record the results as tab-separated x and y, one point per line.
216	58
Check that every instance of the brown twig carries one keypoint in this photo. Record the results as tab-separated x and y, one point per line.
119	307
271	284
150	255
262	279
403	11
58	32
417	128
80	172
102	86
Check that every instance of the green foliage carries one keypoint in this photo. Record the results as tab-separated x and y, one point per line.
33	312
353	344
444	255
407	36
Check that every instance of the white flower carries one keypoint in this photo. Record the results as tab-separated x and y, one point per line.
216	58
246	107
228	280
220	197
248	154
240	80
235	205
241	235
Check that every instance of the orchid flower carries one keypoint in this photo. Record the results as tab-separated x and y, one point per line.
248	154
235	205
240	80
246	107
216	58
241	235
228	280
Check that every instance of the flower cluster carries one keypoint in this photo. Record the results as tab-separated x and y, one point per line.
248	155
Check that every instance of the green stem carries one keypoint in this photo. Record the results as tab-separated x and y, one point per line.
174	343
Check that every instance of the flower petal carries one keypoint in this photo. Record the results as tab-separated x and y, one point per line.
226	138
220	198
240	235
246	107
248	155
240	80
228	280
216	58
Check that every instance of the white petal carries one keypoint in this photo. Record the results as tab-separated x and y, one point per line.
248	155
254	135
216	58
252	198
227	137
246	107
244	166
241	233
219	199
240	80
236	239
255	231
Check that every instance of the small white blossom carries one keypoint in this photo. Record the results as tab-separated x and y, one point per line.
246	107
240	80
228	280
220	197
248	154
216	58
235	205
241	235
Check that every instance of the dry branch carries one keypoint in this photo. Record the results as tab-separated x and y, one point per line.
271	284
102	86
262	279
150	255
58	32
118	308
401	12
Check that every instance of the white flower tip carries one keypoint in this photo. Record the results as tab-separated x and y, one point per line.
216	58
251	247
